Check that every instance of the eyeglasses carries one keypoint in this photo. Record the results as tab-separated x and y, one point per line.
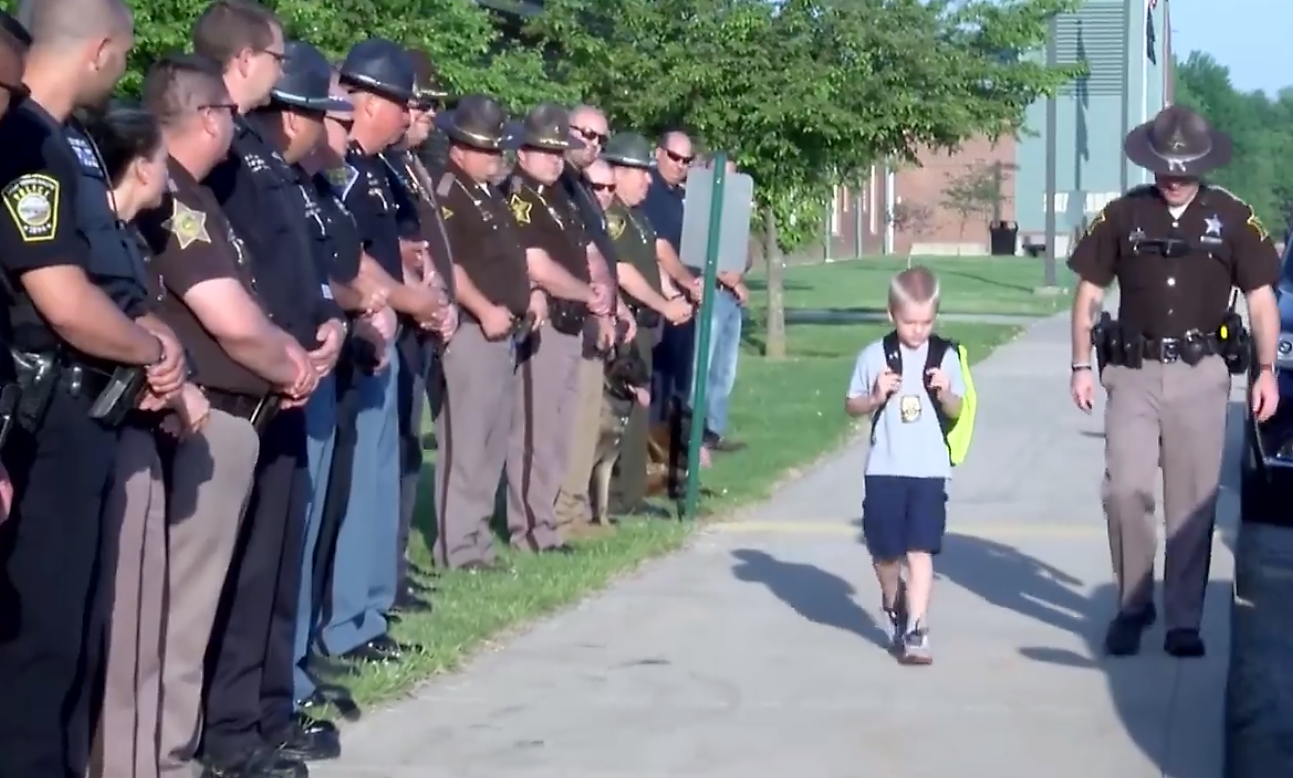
681	159
278	56
596	187
232	108
591	136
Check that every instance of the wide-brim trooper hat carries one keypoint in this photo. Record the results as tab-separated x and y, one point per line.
381	67
477	121
1178	142
546	128
628	149
428	87
306	81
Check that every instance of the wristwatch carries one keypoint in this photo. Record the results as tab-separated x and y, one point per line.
1077	366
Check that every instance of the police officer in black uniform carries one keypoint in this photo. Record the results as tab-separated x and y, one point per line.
83	364
380	76
1176	248
251	654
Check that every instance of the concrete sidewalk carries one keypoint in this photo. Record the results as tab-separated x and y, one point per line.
757	652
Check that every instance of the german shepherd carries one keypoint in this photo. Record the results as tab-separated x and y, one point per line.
626	379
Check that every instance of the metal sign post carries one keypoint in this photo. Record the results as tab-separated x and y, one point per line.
700	357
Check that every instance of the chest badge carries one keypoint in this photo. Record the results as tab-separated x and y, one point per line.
520	209
188	225
1213	232
615	226
909	408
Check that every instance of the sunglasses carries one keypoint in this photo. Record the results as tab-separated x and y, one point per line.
596	187
592	137
681	159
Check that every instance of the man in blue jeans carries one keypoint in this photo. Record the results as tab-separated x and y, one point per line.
724	352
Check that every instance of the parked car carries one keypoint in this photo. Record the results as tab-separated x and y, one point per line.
1266	469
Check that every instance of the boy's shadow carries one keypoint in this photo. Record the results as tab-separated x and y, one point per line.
821	597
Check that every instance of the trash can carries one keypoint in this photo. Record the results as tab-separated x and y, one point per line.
1003	238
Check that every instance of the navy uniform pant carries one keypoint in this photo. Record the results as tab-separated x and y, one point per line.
320	444
53	606
363	574
415	354
250	662
673	365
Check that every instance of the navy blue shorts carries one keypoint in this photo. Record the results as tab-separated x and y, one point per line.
901	514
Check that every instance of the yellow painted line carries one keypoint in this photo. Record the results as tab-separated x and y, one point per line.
848	529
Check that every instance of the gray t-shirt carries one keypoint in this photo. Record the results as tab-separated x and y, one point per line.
907	441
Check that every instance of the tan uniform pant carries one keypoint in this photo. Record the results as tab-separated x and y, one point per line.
572	503
539	446
1175	414
176	545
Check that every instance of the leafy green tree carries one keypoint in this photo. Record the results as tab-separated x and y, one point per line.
1261	128
463	38
805	93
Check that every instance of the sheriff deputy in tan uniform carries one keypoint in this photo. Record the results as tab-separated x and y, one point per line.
1176	248
558	255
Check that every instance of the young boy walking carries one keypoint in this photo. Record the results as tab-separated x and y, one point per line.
904	510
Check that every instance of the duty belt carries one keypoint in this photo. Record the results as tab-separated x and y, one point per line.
257	410
1169	350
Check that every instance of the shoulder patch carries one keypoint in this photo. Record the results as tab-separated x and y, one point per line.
446	183
188	225
1256	224
32	203
520	209
1100	218
614	225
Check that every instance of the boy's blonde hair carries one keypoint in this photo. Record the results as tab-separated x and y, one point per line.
917	285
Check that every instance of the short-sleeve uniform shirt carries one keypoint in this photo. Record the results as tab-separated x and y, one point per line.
547	219
377	211
330	187
908	440
1168	296
483	237
39	184
634	241
258	192
407	175
575	187
664	209
190	242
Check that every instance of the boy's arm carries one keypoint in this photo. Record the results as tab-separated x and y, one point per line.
950	399
859	400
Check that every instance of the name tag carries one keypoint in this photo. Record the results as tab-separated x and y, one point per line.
86	156
327	291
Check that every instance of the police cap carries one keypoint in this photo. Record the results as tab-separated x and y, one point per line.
428	89
477	121
628	149
547	128
306	80
381	67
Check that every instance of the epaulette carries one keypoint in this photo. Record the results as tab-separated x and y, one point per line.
1224	191
446	183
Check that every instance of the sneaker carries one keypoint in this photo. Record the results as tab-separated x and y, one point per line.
897	616
915	647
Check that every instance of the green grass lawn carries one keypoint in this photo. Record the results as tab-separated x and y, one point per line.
997	285
790	413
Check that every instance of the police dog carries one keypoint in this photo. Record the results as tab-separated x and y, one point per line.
625	385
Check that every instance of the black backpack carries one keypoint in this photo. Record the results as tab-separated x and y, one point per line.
938	348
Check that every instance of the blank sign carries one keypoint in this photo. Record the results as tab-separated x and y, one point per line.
734	233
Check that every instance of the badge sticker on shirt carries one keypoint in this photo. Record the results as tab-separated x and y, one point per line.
909	408
188	225
32	203
1212	234
520	209
615	226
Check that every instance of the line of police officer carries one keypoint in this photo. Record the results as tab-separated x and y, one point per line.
224	307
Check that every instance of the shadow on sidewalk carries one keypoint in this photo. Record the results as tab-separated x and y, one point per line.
817	595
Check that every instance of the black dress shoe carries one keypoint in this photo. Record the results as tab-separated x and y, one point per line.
380	649
263	762
640	509
1123	637
408	602
1184	644
311	706
480	566
722	444
310	739
561	550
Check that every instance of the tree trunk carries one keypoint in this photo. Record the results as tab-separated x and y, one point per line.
775	341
